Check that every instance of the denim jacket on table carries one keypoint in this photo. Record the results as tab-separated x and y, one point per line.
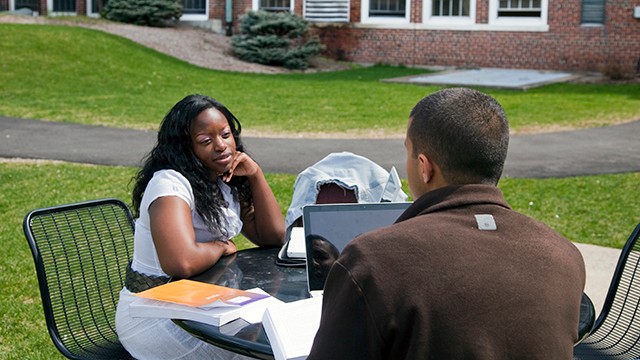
370	182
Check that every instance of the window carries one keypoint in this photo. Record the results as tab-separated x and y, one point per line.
388	12
275	5
525	15
449	14
520	8
387	8
592	12
64	6
195	10
95	7
450	8
33	5
194	7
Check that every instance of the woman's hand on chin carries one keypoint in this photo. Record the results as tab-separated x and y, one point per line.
242	165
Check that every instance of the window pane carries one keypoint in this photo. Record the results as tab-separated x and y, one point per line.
64	6
394	8
520	8
275	5
450	7
194	7
34	5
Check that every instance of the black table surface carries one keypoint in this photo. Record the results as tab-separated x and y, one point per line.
247	269
256	268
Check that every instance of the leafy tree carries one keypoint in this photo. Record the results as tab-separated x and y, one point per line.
275	38
158	13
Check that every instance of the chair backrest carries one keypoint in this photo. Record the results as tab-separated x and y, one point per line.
616	332
81	252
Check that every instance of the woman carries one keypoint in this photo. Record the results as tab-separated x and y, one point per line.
196	191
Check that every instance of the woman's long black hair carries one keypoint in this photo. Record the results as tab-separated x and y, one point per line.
174	150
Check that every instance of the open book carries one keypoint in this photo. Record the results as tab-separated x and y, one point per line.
291	327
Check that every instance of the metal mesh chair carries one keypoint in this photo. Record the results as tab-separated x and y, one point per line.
81	252
616	333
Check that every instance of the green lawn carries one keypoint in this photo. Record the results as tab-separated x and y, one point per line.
73	74
62	73
592	209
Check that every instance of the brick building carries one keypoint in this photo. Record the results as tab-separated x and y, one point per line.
587	35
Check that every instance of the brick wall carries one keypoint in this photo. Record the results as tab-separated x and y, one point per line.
81	7
240	7
482	11
566	46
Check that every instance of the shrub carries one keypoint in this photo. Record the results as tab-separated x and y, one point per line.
158	13
279	39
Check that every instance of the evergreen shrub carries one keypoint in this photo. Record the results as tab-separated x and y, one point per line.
156	13
275	38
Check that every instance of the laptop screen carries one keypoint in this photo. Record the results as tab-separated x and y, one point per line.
329	227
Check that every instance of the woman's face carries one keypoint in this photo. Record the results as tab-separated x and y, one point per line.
213	142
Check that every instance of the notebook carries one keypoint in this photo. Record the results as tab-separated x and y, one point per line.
329	227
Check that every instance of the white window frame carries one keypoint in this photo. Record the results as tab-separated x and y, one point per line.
90	11
366	19
197	17
255	5
449	21
518	21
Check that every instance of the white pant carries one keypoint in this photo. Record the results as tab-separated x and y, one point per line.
149	338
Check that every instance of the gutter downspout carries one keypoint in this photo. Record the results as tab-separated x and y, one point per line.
229	16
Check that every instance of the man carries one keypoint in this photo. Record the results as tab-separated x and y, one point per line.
460	275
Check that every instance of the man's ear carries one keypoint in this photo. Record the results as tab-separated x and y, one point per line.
426	168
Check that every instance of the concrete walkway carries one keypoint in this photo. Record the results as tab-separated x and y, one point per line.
612	149
521	79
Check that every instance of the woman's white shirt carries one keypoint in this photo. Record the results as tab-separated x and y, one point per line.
172	183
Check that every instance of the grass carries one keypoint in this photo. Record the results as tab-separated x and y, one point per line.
24	187
65	73
593	209
62	73
600	210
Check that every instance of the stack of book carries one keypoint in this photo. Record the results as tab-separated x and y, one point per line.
203	302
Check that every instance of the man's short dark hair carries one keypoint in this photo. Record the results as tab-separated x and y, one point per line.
465	132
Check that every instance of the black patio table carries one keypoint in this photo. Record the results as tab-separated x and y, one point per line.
247	269
257	268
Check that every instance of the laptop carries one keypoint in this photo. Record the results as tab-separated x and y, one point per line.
328	228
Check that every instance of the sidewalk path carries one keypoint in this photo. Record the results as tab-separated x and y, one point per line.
613	149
